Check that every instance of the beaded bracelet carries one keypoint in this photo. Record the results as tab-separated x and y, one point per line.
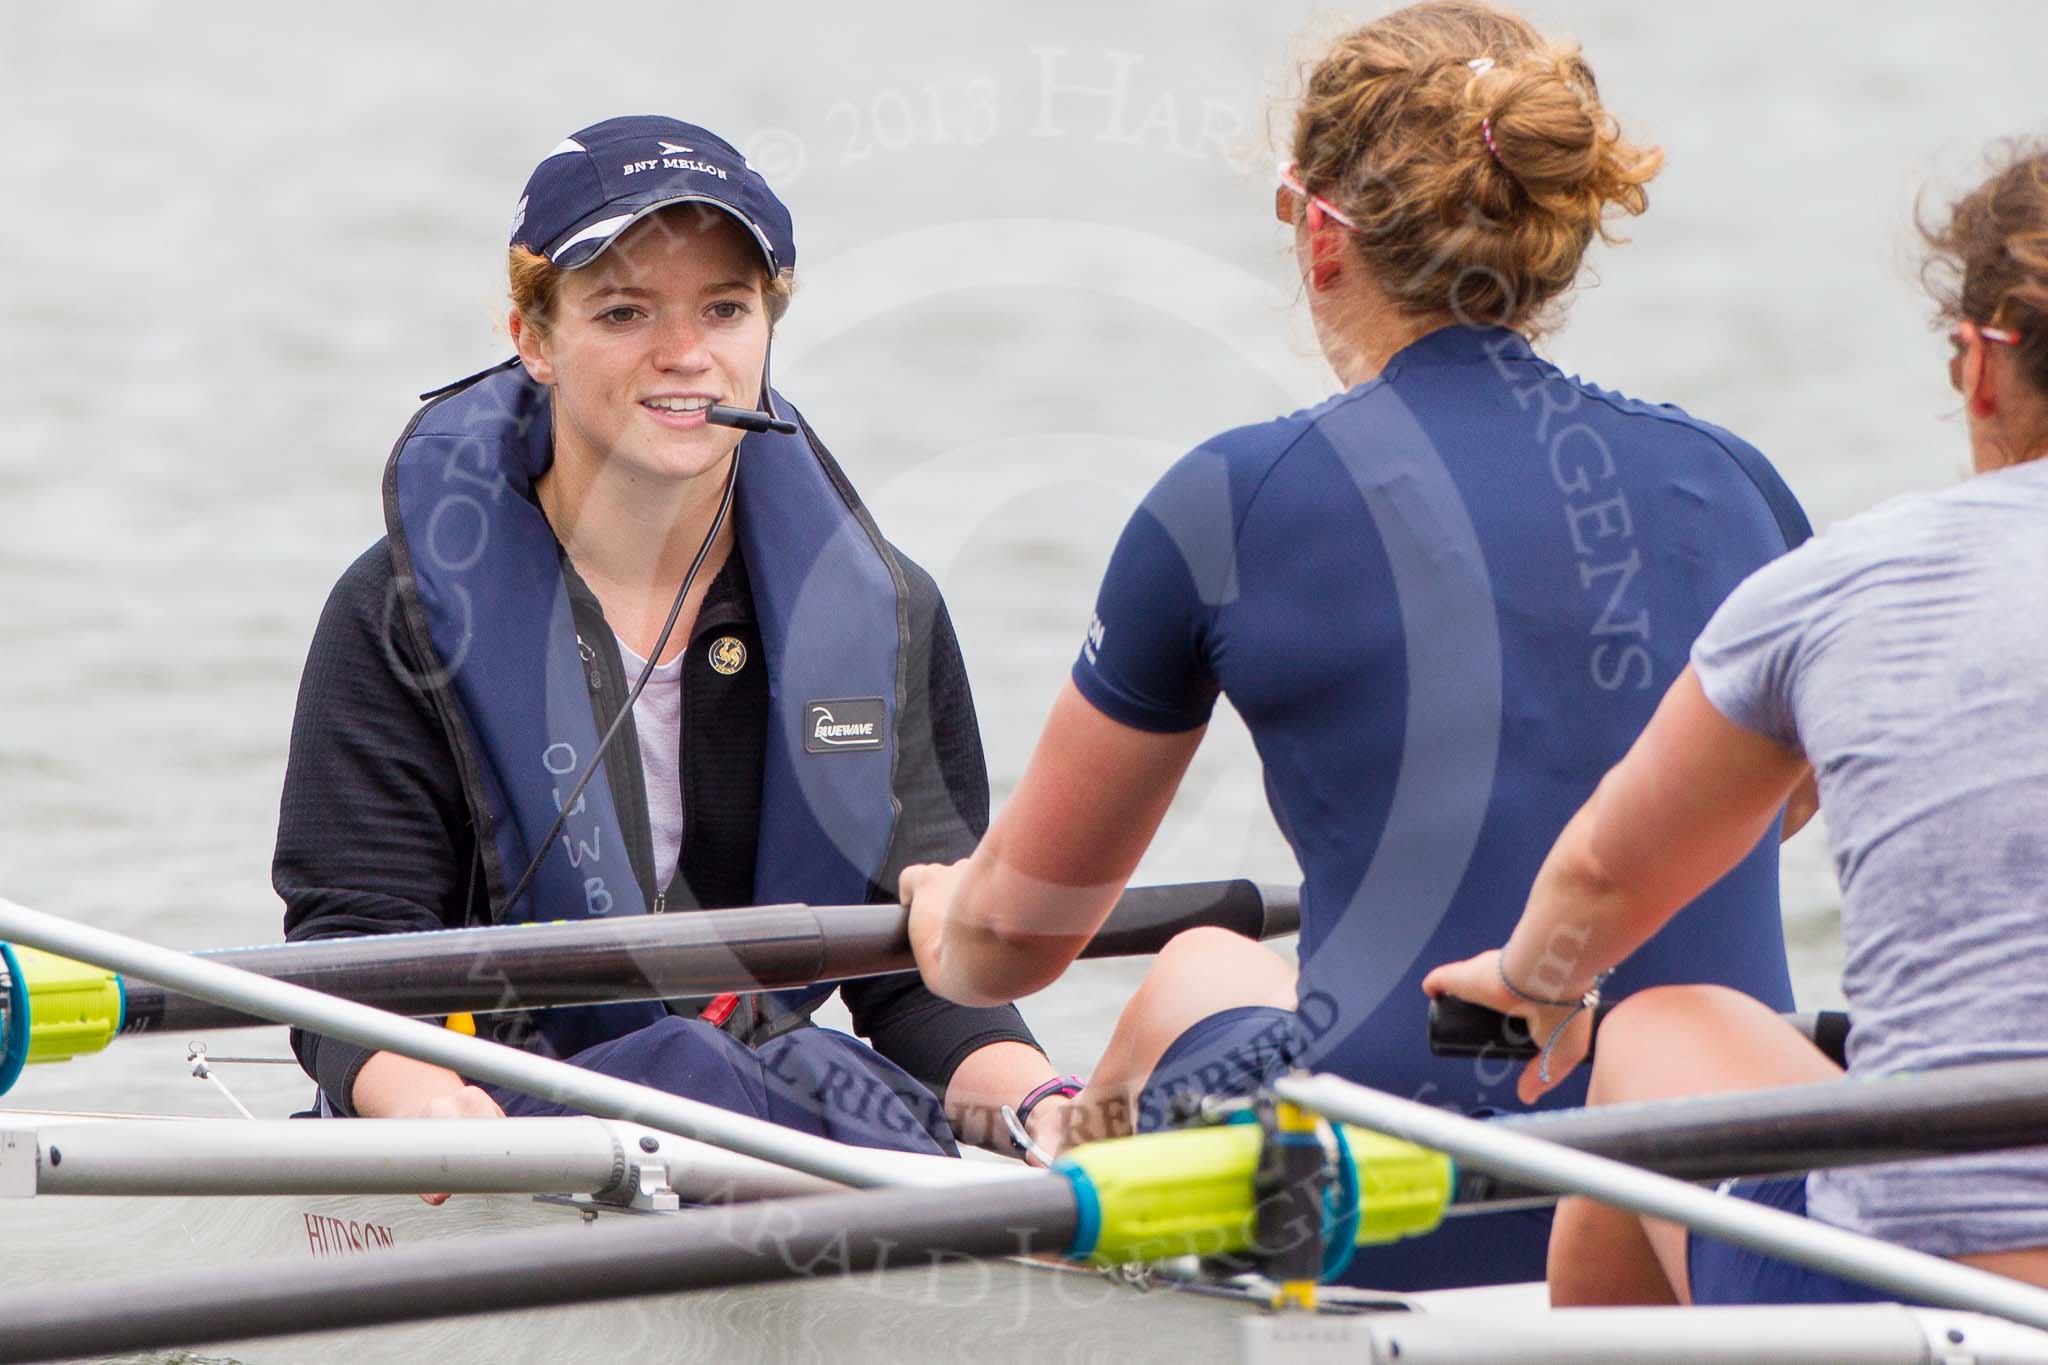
1500	965
1590	1000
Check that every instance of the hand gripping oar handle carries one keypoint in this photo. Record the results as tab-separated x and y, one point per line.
54	1008
1459	1028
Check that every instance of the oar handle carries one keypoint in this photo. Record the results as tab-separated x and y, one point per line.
52	1008
1147	917
1459	1028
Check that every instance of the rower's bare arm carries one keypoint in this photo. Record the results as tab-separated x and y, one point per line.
391	1086
1007	921
1687	803
992	1076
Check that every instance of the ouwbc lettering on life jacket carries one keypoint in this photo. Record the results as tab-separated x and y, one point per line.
480	583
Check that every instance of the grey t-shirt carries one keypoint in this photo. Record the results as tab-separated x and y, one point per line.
658	720
1905	653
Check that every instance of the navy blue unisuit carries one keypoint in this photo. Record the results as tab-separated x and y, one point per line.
1444	602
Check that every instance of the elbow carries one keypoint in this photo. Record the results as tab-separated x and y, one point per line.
1028	967
989	966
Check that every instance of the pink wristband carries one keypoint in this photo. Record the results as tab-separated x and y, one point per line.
1067	1086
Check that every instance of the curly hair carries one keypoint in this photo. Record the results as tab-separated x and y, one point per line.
1474	156
1987	257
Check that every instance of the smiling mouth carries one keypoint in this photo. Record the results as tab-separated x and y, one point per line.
679	412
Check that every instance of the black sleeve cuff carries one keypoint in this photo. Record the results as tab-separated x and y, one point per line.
925	1035
975	1042
334	1063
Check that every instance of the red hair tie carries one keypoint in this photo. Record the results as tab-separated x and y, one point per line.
1486	131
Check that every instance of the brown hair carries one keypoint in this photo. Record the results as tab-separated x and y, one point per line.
536	286
1473	155
1987	260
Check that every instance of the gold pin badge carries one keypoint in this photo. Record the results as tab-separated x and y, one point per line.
728	655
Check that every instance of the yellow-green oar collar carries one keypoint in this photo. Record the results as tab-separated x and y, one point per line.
57	1009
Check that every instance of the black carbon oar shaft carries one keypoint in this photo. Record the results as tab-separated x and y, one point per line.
1983	1107
641	957
663	957
615	1259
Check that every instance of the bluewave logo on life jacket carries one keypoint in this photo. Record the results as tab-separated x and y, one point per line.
845	724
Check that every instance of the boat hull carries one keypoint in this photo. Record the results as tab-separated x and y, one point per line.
947	1311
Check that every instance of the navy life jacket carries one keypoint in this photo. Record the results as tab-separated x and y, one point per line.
481	585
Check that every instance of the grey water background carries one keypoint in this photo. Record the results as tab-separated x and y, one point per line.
1037	263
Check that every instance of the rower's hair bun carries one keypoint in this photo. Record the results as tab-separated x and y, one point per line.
1474	155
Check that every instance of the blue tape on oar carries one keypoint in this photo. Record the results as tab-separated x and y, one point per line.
1087	1211
14	1027
1340	1211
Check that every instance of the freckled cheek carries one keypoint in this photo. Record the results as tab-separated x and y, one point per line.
742	364
607	379
601	403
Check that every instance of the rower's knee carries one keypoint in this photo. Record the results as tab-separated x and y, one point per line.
1674	1009
1198	973
1649	1034
1221	969
1675	1040
1204	944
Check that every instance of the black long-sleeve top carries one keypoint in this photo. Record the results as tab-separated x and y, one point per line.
375	834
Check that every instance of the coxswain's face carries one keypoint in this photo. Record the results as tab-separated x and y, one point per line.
668	321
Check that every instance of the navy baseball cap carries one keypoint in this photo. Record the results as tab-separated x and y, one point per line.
609	176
